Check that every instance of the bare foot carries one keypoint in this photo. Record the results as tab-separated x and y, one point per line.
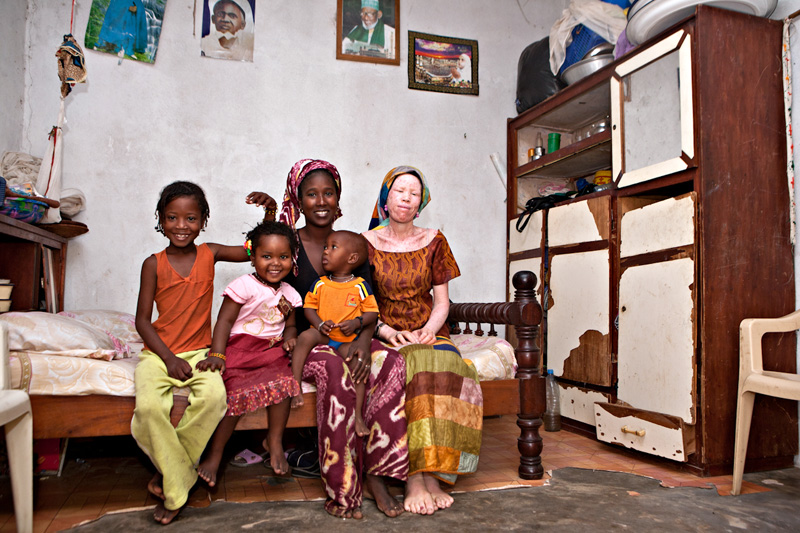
418	499
297	401
279	463
440	497
207	470
164	516
154	487
385	502
361	428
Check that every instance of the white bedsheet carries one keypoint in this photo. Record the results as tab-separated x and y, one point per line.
58	375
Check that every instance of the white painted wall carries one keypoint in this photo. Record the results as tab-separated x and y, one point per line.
12	80
236	127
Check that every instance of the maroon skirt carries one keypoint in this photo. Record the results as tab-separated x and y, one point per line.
257	374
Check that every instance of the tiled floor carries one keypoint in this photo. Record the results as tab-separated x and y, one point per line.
114	476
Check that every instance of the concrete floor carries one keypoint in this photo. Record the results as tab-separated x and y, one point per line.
575	500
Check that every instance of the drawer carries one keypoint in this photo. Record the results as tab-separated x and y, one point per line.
531	236
645	431
658	226
577	403
579	222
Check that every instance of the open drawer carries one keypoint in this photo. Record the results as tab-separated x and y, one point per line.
645	431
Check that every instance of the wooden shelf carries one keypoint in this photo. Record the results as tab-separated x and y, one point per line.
575	160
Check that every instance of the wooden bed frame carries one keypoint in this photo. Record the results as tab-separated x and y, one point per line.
524	396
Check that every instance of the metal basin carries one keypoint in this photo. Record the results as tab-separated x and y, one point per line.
584	67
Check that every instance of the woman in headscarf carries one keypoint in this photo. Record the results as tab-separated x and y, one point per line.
444	405
313	188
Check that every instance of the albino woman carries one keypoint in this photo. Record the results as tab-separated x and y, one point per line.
444	405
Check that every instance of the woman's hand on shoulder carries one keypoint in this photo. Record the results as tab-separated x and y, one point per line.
261	199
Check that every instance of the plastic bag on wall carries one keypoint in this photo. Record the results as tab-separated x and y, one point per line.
535	81
606	20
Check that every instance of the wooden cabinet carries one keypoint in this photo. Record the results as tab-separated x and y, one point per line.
645	284
34	259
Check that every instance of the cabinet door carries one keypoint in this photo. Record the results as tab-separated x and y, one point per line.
578	341
652	112
656	364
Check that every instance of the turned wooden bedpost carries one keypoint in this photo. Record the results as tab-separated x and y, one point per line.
532	383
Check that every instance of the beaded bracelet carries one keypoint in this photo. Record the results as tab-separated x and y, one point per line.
219	355
377	334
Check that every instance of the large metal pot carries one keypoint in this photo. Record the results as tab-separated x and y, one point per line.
584	67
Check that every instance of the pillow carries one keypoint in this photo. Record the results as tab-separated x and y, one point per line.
115	323
50	334
493	357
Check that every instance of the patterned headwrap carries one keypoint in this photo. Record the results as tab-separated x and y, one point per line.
379	215
290	211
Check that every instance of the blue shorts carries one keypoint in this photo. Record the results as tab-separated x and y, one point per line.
334	344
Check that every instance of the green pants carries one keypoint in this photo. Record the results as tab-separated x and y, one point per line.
176	451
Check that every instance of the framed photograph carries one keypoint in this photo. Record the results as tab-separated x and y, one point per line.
125	28
442	64
368	30
228	30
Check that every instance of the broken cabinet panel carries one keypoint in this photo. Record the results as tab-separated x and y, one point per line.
579	222
578	340
653	433
658	226
656	362
577	403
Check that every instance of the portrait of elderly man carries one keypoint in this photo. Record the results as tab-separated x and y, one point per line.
230	30
373	36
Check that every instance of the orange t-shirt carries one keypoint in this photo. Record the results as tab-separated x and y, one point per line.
340	301
184	304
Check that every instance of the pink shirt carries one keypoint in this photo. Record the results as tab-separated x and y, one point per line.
260	315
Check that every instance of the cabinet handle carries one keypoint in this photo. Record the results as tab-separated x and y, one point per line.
638	433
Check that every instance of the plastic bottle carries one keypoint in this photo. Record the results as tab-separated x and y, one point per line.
552	417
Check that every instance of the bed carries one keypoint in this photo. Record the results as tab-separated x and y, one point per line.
78	368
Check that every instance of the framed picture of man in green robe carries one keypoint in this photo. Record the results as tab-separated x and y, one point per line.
368	30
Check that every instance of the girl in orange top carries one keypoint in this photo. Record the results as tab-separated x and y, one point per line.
180	280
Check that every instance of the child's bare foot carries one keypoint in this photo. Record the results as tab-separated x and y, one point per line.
164	516
207	470
418	499
440	497
297	401
385	502
154	487
361	428
279	463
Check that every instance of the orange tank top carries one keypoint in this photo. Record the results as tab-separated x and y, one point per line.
184	304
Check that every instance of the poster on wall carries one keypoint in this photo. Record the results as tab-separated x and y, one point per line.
368	30
228	29
442	64
126	28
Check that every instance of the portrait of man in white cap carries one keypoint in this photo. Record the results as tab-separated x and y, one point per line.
372	36
230	32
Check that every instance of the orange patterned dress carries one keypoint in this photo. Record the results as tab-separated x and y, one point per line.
444	404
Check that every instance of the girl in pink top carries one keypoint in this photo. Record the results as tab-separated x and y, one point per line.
254	331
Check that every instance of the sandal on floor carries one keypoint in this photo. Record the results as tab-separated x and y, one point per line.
248	458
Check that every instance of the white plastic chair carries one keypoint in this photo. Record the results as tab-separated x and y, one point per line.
16	417
753	379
